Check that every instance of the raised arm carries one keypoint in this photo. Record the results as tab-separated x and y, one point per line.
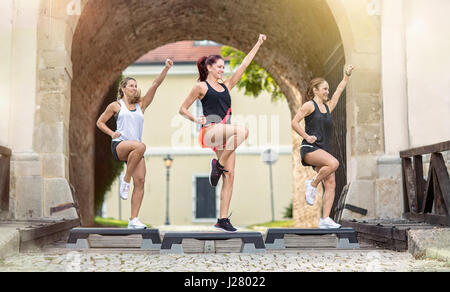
148	98
233	80
306	109
337	94
196	92
111	109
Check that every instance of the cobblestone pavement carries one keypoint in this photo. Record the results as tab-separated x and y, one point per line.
308	260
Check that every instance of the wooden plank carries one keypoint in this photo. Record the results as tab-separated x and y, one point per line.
406	208
378	230
46	229
428	218
442	179
418	168
428	199
438	147
4	183
439	204
410	180
5	151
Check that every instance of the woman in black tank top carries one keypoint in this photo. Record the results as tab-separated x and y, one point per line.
217	133
315	147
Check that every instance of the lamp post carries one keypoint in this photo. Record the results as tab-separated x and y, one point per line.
270	156
168	162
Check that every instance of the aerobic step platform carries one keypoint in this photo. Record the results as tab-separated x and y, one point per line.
78	237
346	236
252	242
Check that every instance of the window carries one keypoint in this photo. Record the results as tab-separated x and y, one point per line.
205	199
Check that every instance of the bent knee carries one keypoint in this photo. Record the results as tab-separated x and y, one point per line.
141	147
334	164
242	131
139	181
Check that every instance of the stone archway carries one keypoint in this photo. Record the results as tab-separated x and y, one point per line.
111	34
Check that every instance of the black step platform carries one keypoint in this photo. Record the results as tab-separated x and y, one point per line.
346	236
252	242
78	238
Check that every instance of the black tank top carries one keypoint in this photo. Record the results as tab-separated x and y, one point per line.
320	125
216	105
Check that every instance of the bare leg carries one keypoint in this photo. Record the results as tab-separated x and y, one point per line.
240	134
325	161
227	185
329	193
230	135
138	188
132	152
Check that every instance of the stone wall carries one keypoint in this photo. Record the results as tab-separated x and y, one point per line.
74	50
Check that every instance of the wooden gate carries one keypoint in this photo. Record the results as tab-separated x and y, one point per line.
426	200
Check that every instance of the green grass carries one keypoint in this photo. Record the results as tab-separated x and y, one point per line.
111	222
274	224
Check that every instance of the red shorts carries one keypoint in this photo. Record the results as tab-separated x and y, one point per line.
201	135
203	130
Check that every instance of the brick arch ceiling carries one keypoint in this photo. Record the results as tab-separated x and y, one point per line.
112	34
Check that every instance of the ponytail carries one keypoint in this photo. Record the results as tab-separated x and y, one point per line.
202	69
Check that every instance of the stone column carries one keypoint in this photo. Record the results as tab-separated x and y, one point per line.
26	168
37	87
359	24
388	187
51	132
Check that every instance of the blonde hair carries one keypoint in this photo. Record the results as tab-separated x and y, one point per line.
315	83
122	85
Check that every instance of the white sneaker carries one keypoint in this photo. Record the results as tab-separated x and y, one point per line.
328	223
124	188
310	193
136	224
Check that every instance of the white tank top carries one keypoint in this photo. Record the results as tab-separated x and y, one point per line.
129	123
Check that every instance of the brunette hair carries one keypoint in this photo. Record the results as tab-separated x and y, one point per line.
202	65
315	83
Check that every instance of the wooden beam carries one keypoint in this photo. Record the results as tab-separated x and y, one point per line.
442	180
420	182
5	151
438	147
410	180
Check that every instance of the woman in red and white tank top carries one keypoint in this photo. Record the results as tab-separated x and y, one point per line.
217	133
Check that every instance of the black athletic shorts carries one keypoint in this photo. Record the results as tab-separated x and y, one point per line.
114	145
307	148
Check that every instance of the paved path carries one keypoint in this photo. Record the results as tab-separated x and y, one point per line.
56	257
305	260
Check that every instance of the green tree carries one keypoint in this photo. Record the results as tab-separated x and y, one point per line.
255	79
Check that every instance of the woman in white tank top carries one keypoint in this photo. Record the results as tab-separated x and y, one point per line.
127	143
